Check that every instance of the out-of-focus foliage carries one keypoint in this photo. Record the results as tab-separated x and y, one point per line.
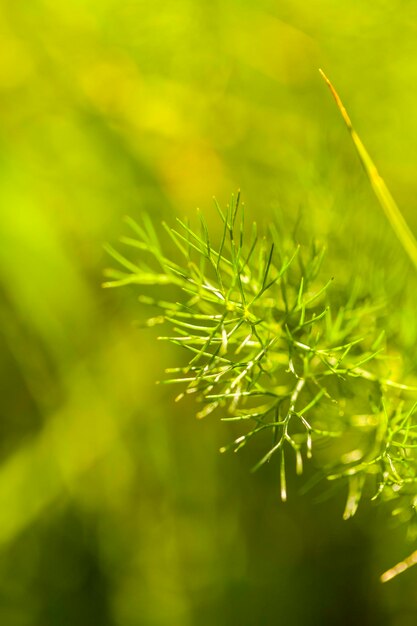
116	507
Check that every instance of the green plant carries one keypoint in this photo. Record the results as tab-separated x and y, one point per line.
274	347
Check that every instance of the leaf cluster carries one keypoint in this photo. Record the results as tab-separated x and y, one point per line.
267	348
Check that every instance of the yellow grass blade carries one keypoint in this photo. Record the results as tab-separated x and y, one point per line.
382	192
399	568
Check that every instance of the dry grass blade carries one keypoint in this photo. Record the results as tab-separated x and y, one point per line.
382	192
401	567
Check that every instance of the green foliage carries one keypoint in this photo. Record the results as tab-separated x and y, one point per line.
270	346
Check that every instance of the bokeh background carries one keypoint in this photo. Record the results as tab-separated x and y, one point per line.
116	507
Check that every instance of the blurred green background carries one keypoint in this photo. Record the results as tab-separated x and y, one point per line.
116	508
